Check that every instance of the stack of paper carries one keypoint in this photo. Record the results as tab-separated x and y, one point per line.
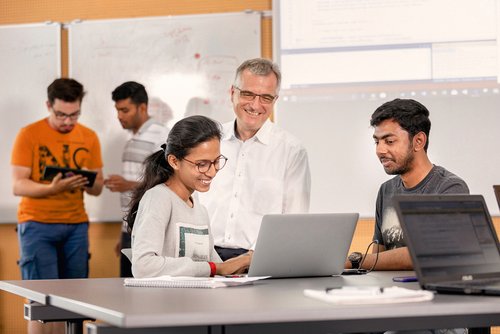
190	282
369	295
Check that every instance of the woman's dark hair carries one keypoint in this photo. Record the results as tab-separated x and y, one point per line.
185	135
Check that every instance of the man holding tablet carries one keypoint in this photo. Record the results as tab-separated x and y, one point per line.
52	222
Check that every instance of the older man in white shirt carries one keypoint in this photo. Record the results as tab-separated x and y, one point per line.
267	170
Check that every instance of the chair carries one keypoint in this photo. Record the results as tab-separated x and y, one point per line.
128	253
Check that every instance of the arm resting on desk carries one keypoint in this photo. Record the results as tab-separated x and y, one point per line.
394	259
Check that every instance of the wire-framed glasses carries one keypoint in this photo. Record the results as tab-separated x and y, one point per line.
204	165
250	96
62	116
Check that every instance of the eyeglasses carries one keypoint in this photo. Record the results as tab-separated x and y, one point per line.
204	165
250	96
62	116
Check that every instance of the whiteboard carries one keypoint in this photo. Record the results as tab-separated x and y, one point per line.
187	64
30	59
345	171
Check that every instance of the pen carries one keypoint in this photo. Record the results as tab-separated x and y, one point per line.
235	276
350	290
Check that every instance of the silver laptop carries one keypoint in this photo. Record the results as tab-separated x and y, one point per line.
303	245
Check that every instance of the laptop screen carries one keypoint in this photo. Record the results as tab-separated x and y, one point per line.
449	236
496	188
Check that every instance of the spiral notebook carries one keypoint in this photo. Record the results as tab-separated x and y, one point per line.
190	282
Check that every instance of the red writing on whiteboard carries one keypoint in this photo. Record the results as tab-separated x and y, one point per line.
179	35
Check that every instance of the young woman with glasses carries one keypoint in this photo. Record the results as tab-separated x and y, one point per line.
170	229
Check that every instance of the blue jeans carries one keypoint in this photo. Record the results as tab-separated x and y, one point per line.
52	251
228	253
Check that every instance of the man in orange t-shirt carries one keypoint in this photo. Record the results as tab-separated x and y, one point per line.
52	222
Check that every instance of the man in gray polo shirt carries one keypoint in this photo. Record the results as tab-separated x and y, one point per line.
131	102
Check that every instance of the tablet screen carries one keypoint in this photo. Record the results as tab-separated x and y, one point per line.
51	171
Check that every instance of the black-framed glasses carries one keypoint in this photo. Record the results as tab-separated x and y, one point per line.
204	165
62	116
250	96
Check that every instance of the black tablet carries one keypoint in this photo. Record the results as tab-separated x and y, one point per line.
51	171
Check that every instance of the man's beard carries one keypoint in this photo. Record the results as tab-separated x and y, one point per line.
405	165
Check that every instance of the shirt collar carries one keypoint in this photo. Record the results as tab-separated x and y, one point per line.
146	125
263	135
228	131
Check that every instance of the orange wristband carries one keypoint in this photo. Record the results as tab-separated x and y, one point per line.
213	269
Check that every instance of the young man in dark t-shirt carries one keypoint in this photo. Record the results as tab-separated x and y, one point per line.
401	137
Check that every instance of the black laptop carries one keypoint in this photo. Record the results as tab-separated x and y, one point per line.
452	242
496	189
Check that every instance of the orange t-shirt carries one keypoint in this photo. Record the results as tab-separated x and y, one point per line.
38	145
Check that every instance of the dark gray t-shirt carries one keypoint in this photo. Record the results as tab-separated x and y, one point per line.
387	229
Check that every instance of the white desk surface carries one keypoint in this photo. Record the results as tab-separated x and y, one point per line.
272	302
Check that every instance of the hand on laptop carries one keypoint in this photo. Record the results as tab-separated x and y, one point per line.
236	265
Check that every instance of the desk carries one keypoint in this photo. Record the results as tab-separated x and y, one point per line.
269	306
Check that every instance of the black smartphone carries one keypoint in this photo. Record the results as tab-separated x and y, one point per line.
354	272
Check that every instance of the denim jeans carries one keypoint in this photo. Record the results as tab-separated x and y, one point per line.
53	250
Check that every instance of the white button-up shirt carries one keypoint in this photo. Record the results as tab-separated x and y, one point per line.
268	173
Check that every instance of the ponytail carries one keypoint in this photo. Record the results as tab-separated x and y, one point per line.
156	171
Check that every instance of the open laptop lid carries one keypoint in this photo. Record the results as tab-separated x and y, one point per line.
450	237
496	188
303	245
